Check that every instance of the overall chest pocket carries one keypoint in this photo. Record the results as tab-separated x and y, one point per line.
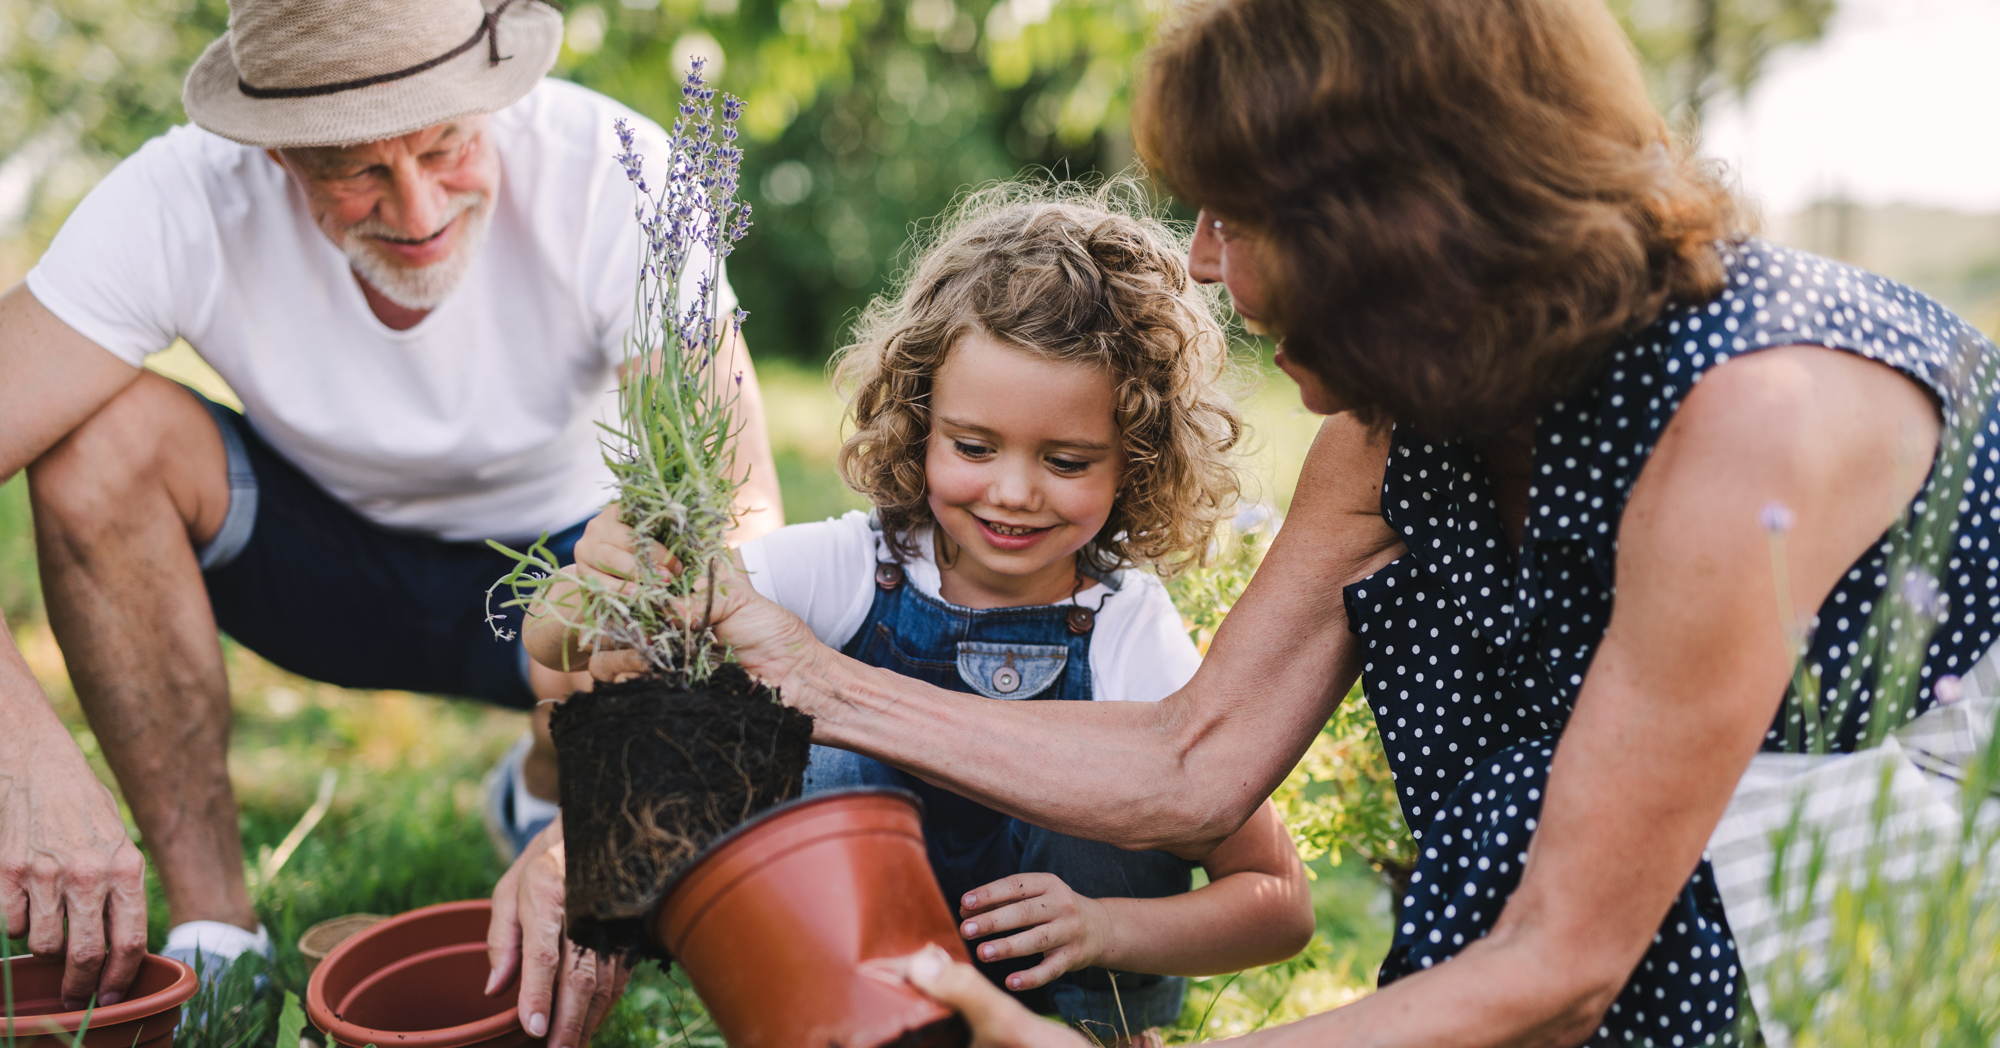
1010	671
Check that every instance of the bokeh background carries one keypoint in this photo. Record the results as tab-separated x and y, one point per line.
1860	129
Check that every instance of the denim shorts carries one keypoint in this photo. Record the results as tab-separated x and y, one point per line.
302	580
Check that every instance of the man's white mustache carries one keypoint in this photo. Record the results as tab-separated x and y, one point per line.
458	205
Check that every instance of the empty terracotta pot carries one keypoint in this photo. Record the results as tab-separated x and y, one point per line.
320	939
772	921
416	980
145	1019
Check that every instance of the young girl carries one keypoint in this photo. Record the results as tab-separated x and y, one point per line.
1035	415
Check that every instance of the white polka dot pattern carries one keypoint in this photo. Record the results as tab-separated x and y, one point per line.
1472	658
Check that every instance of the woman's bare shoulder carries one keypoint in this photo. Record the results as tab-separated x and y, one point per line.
1810	407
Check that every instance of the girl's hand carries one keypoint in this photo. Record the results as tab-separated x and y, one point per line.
607	550
769	642
1067	929
997	1020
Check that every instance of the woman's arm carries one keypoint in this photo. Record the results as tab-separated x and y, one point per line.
1681	692
1180	774
1256	909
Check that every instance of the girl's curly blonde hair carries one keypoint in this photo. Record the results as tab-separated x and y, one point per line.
1074	275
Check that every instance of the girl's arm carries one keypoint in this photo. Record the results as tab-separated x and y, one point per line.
1256	909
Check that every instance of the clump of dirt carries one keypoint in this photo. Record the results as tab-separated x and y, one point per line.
652	771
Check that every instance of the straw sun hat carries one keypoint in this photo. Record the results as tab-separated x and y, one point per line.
336	72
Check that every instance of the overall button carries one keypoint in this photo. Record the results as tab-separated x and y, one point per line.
1080	620
888	576
1011	671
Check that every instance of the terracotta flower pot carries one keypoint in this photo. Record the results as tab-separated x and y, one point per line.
145	1019
417	980
773	920
320	939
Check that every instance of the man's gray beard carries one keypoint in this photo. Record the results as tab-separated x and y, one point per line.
423	288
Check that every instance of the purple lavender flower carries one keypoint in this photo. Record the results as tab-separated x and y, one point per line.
1921	592
1777	518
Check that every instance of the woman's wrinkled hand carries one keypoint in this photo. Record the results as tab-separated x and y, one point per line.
566	990
997	1020
1070	931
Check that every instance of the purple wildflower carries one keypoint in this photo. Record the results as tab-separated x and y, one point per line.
1922	594
1777	518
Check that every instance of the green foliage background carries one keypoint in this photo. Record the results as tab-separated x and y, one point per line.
865	117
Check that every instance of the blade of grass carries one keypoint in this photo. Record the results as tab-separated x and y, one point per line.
291	1022
1203	1025
310	819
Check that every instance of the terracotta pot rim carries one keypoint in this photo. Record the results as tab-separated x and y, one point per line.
362	922
344	1032
176	994
749	825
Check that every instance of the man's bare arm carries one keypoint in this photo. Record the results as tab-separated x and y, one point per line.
760	506
51	379
63	847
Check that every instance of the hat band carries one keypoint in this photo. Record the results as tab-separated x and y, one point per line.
489	31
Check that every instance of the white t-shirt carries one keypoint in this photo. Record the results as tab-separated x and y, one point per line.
825	574
476	423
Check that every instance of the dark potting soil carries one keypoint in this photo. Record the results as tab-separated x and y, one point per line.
651	772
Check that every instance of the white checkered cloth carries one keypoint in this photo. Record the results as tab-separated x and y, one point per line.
1911	782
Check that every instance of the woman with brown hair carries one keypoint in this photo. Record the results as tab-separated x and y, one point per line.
1564	390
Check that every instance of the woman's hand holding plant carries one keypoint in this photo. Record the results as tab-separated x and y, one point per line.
1069	930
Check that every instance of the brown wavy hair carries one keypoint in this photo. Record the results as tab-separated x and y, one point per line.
1464	202
1073	275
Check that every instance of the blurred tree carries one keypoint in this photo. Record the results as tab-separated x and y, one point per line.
82	84
865	117
1694	50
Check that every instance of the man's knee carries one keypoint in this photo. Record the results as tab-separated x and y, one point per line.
152	439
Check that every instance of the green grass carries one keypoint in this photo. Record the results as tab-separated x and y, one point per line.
20	584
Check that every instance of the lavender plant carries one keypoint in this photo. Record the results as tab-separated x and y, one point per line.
672	449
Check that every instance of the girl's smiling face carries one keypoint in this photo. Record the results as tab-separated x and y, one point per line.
1022	469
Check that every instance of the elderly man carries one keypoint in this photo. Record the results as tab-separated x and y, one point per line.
414	259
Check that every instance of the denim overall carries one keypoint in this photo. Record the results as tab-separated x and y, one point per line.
1040	653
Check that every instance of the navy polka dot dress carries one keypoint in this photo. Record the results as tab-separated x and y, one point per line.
1473	657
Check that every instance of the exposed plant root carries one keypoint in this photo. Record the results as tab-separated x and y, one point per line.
652	772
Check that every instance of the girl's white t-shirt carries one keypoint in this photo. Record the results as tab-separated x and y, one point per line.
480	421
825	574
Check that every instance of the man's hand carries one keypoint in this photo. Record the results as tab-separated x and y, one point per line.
526	940
64	853
1067	929
997	1020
